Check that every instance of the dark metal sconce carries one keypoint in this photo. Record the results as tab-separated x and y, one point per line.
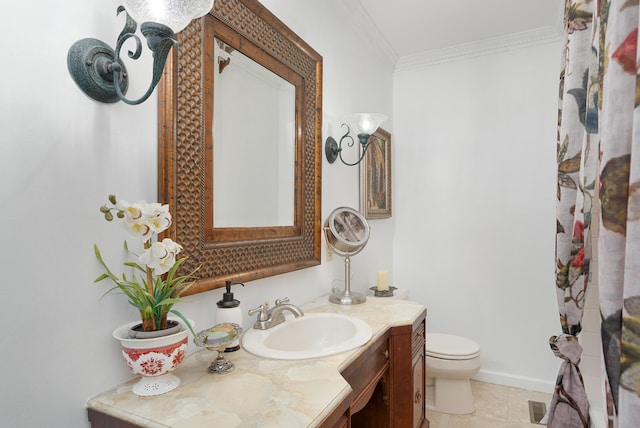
98	70
366	124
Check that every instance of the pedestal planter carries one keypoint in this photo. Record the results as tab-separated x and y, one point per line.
154	358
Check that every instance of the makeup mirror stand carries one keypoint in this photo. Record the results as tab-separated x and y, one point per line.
347	297
346	232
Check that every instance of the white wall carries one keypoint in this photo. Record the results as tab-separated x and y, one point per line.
475	216
61	154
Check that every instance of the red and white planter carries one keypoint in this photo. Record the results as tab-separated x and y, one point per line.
153	359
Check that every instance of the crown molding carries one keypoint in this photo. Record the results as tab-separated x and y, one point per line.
370	30
482	47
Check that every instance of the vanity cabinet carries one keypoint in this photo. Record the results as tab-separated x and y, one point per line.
369	379
407	375
388	383
102	420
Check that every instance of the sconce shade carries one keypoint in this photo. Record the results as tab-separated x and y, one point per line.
175	14
365	123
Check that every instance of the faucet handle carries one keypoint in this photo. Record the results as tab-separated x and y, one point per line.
261	311
281	301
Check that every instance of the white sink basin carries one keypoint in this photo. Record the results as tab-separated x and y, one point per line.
309	336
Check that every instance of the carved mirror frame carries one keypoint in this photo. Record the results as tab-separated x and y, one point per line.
186	148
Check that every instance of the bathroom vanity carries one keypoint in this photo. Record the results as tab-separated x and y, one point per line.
380	384
387	381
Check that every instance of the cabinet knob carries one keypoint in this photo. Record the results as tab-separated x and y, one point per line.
418	397
386	354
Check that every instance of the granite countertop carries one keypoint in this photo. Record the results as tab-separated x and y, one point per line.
260	392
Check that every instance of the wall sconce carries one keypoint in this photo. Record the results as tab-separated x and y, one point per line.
365	124
98	70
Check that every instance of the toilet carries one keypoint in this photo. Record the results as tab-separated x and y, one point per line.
450	362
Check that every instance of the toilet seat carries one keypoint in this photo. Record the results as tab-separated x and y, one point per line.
450	347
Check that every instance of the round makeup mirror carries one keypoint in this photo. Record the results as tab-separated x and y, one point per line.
346	232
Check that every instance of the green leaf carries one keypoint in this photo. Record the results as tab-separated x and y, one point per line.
101	277
183	318
136	266
165	292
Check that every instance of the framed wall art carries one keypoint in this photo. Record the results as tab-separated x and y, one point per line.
375	177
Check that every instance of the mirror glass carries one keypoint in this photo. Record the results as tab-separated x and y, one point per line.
254	142
348	226
346	231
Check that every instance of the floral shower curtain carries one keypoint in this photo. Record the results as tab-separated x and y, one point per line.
598	150
577	148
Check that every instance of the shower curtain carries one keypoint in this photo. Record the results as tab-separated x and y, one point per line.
598	149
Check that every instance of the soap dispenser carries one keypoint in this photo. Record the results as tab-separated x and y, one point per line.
229	311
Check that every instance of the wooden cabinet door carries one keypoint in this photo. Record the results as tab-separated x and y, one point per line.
407	375
418	388
418	375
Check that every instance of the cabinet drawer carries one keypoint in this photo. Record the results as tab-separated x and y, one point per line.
372	362
417	340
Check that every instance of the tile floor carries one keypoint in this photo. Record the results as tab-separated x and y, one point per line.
497	406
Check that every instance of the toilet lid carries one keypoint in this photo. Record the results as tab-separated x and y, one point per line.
449	346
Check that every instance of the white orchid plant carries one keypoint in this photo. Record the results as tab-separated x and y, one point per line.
154	287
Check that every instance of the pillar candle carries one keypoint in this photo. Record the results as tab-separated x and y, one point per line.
383	280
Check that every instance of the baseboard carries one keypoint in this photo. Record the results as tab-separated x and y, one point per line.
522	382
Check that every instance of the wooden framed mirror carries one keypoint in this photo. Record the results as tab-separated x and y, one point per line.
188	142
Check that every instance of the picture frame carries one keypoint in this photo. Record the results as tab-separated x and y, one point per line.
375	177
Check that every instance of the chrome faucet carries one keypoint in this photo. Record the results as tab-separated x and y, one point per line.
268	318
